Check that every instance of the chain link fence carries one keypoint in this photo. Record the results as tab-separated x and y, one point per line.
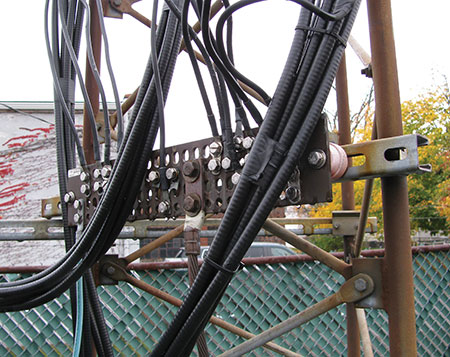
260	296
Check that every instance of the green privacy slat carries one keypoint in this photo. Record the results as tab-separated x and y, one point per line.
258	297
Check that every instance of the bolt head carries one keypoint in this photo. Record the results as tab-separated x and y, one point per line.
111	270
191	204
293	194
317	159
238	141
85	189
77	204
84	176
77	218
97	173
215	148
117	2
242	161
213	165
360	285
247	142
153	176
69	197
163	207
235	178
190	169
99	187
171	173
106	171
226	163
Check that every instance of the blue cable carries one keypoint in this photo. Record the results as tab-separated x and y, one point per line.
79	323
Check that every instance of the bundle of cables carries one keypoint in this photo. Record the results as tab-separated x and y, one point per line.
318	44
320	37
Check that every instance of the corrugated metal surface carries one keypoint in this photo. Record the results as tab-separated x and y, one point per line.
260	296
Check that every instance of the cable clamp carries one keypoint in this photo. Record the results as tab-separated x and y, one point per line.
334	34
270	152
221	268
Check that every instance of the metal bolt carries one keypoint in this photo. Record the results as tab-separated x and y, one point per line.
248	142
360	284
77	204
191	204
317	159
214	165
97	173
153	176
235	178
117	2
238	141
84	176
69	197
111	270
226	163
293	194
163	207
336	225
171	173
190	169
99	187
106	171
242	161
215	148
85	189
77	218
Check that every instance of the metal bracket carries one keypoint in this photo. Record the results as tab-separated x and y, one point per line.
345	223
386	157
51	207
106	269
374	268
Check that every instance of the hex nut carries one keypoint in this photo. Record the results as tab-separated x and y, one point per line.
111	270
106	171
171	173
226	163
235	178
117	2
85	189
69	197
153	176
97	173
317	159
99	187
293	194
360	285
190	169
77	204
215	148
214	165
84	176
191	204
163	207
77	218
248	142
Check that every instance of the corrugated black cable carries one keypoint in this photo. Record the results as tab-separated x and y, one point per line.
221	284
74	59
228	77
195	67
111	75
96	74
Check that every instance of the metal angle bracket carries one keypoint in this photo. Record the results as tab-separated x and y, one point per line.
374	268
393	156
104	269
345	223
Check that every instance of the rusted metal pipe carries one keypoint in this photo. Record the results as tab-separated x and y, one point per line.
317	253
347	293
364	332
398	260
121	275
348	197
154	244
91	84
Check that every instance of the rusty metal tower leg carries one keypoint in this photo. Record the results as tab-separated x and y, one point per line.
91	84
348	200
398	260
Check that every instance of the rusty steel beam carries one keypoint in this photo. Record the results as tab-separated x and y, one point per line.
91	84
398	259
348	198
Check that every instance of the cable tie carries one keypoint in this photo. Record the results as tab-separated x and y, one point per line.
222	268
334	34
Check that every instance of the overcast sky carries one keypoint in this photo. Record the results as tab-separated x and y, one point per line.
263	34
